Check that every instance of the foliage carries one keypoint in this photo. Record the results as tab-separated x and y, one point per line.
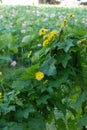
43	70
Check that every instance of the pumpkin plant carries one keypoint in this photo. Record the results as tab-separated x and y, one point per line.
52	88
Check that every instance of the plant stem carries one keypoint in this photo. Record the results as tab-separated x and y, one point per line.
60	34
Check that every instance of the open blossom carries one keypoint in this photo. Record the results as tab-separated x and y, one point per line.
14	63
39	75
42	31
45	43
23	31
49	36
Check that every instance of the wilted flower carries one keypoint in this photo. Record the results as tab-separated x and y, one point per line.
39	75
14	63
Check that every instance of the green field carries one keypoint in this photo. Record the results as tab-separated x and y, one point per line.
43	68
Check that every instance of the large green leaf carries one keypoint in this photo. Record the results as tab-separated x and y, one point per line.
66	45
82	121
64	58
29	109
82	98
25	40
43	99
36	123
7	39
24	113
48	67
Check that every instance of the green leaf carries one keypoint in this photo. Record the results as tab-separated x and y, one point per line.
61	124
25	41
5	58
48	67
30	72
82	98
62	77
1	45
24	113
14	49
15	126
36	123
82	121
3	124
36	57
66	45
7	38
29	109
72	125
43	99
20	85
64	58
6	109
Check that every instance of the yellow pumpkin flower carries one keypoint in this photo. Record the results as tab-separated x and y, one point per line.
29	54
0	94
39	75
54	32
0	73
63	24
46	36
42	31
46	42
